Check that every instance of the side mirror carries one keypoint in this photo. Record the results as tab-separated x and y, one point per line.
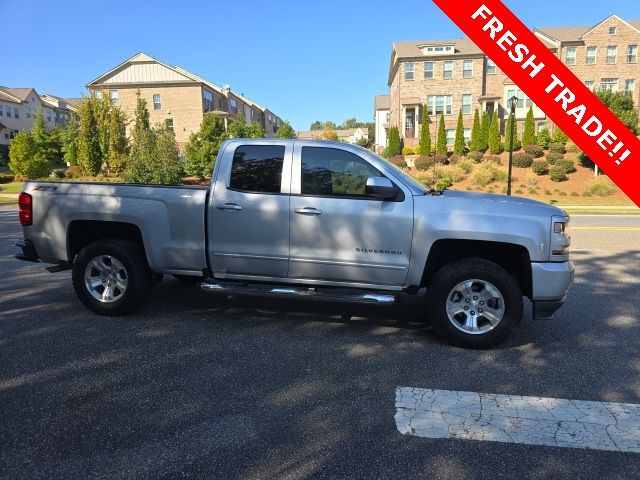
381	187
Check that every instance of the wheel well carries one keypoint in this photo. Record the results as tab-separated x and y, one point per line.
82	232
513	258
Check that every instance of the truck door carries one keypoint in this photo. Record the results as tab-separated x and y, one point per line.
249	211
338	234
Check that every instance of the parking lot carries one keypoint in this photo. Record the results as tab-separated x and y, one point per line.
200	386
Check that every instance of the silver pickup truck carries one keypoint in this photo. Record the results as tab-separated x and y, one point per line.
309	219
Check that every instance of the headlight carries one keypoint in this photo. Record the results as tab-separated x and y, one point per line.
560	237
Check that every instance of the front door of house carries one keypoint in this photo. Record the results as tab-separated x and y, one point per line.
409	131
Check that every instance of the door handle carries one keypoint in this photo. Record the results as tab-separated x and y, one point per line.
308	211
229	206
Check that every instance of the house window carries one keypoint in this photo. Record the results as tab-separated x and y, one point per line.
48	115
451	137
234	105
168	122
27	112
609	85
613	30
612	54
466	104
439	104
570	57
467	69
99	94
447	69
1	114
16	113
207	98
157	101
632	54
590	84
629	87
467	135
519	94
408	71
388	117
591	55
491	67
428	69
113	96
541	126
8	111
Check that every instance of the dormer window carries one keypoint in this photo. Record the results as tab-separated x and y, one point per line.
613	30
437	49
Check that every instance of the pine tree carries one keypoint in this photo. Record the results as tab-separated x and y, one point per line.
41	138
203	146
141	122
494	135
529	133
167	169
486	125
102	110
441	144
507	135
394	146
476	133
424	147
70	141
543	138
117	141
458	146
89	153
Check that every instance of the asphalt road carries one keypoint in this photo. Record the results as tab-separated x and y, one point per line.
196	386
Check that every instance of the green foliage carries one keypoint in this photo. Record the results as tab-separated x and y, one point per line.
70	141
560	137
494	135
484	130
466	165
423	163
476	133
567	164
458	146
552	158
155	158
141	122
25	161
540	167
623	106
507	135
529	133
535	151
117	141
475	155
585	161
407	151
203	146
425	134
102	111
543	139
89	153
394	146
522	160
73	172
441	143
286	131
486	173
557	147
558	173
140	162
601	187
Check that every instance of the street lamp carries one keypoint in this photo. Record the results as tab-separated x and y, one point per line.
513	103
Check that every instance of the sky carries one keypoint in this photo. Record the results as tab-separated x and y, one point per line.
305	61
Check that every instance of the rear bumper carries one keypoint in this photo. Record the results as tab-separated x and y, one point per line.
29	253
551	282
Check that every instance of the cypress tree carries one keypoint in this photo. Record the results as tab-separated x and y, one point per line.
458	146
441	144
494	135
507	135
486	125
476	133
394	147
425	134
529	133
89	153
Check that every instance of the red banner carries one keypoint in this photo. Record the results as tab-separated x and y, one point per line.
552	87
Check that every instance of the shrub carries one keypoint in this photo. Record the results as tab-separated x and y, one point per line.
518	192
475	155
531	182
465	164
423	163
553	158
495	159
547	192
441	158
58	173
560	137
557	148
407	151
74	171
455	158
558	173
486	173
543	138
567	164
573	148
585	161
452	172
540	167
522	160
602	187
7	178
398	160
535	151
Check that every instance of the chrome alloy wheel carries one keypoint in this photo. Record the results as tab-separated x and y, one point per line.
475	306
105	278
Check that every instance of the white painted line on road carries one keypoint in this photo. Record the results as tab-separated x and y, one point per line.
553	422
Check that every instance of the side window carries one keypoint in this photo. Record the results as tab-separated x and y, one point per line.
330	171
257	168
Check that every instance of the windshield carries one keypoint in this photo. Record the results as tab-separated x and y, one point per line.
404	176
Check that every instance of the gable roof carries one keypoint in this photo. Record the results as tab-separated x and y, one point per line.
576	33
381	102
18	94
145	68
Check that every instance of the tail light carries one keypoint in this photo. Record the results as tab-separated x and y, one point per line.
25	209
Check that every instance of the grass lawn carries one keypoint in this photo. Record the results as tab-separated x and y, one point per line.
8	201
14	187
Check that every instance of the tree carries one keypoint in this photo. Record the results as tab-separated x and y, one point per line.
349	123
70	141
529	133
43	140
141	163
24	159
166	165
117	141
622	106
494	135
255	130
486	126
203	146
543	139
441	142
394	145
424	147
141	121
286	131
317	125
89	153
507	134
476	133
560	137
102	110
458	146
328	133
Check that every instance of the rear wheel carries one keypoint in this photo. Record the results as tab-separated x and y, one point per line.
111	277
474	303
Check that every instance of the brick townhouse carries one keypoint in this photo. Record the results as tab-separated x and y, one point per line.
176	97
452	75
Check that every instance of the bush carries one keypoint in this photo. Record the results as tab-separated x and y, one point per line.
7	177
522	160
465	164
531	182
441	158
553	158
495	159
602	187
452	172
399	161
407	151
486	173
540	167
567	164
557	148
585	161
423	163
558	173
573	148
535	151
543	138
455	158
476	156
74	171
58	173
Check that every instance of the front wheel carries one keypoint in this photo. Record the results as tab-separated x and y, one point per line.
111	277
474	303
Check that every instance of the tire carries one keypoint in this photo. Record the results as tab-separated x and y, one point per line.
188	278
120	270
474	286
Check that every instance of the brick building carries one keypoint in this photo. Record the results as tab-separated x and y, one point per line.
452	75
176	97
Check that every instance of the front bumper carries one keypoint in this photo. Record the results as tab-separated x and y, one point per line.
551	282
29	253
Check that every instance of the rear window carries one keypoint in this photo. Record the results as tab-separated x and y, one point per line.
257	168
